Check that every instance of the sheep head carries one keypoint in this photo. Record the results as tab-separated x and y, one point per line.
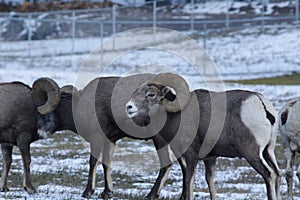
167	90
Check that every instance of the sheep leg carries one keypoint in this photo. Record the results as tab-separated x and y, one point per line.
7	158
106	164
160	182
90	188
188	165
269	155
93	162
298	172
258	162
210	166
289	156
164	154
25	153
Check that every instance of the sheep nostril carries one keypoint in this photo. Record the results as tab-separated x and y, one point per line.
128	107
131	109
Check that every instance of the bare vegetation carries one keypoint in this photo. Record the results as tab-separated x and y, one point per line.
60	163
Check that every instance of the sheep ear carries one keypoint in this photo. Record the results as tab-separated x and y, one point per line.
179	88
168	93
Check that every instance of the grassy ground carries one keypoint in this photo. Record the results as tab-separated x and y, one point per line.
60	167
293	79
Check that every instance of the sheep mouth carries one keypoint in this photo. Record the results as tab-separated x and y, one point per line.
131	114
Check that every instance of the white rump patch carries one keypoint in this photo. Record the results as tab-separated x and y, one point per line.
253	115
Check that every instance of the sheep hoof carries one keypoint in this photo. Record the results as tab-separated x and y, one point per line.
106	195
151	197
87	194
30	190
4	189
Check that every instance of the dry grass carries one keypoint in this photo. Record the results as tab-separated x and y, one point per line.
68	160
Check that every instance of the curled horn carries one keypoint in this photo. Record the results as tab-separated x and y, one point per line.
45	95
181	87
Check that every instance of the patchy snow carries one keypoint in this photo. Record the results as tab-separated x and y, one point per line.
217	7
270	54
240	55
222	7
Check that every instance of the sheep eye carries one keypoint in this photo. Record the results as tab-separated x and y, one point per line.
150	94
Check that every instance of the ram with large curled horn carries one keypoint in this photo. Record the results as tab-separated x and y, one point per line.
89	112
234	123
19	122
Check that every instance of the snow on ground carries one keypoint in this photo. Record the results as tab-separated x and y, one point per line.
256	54
137	171
222	7
239	55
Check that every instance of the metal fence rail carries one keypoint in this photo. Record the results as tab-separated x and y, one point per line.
104	22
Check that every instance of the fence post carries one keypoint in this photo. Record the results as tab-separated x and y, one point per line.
297	11
204	35
114	8
29	35
154	18
192	15
73	31
205	44
227	14
263	14
0	34
154	14
102	51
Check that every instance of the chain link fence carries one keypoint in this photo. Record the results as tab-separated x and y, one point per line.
100	23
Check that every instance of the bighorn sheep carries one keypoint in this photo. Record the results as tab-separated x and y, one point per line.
195	130
18	127
289	127
88	112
